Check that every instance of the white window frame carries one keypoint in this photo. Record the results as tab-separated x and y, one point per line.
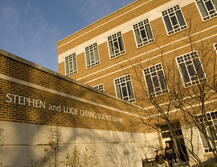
99	87
126	78
179	27
190	56
155	69
91	49
71	58
112	38
147	40
211	117
209	16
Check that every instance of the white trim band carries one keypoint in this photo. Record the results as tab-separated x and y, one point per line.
35	86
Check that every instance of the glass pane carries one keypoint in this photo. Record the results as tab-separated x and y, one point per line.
184	72
162	79
164	127
120	41
118	89
115	46
143	34
91	57
209	5
213	131
130	90
155	81
111	48
74	64
202	9
174	20
96	54
70	66
205	144
191	70
138	39
149	83
180	18
199	68
148	29
166	135
87	59
67	67
215	4
167	22
124	91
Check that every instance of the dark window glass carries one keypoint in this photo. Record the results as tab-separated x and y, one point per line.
155	80
149	83
202	9
167	22
124	88
209	5
143	33
174	21
199	68
148	28
191	70
180	18
162	79
184	72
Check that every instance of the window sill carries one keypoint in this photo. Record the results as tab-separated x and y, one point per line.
112	58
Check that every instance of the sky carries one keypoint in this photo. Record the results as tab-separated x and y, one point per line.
31	28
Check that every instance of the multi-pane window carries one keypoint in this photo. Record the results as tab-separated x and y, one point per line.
143	33
99	87
124	88
116	45
190	68
208	8
71	64
174	19
210	122
92	55
155	80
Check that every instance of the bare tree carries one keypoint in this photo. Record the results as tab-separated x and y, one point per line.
79	158
190	103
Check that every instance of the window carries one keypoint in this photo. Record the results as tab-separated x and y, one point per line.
166	131
155	80
174	20
124	89
92	56
99	87
210	122
191	69
143	33
208	8
71	64
215	46
116	45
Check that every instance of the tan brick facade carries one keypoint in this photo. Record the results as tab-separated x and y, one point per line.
198	35
165	46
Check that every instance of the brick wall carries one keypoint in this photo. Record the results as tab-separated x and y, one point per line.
32	94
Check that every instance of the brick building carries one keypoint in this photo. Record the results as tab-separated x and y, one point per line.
44	116
135	53
140	52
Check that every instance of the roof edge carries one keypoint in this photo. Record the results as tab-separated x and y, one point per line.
97	21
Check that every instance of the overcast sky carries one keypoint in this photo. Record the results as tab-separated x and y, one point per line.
31	28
